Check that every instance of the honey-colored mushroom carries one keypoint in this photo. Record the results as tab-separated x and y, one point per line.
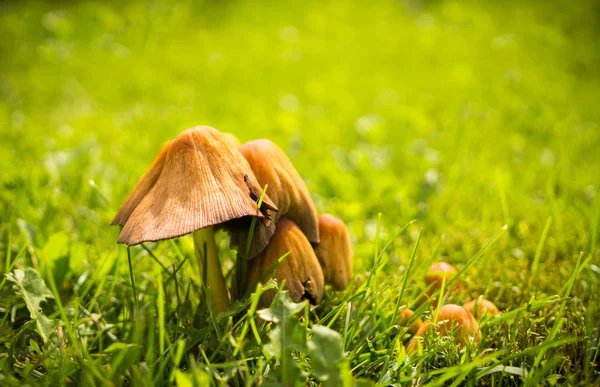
334	251
287	190
197	181
300	269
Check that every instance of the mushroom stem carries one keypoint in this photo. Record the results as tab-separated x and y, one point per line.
204	241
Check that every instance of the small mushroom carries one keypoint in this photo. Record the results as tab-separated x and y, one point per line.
286	189
459	322
409	321
438	273
334	251
453	321
197	181
481	307
300	269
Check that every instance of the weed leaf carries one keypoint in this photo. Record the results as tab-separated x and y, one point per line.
31	287
325	351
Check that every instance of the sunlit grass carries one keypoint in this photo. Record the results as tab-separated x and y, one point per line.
460	116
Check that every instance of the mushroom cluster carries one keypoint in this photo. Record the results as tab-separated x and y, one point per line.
459	322
202	180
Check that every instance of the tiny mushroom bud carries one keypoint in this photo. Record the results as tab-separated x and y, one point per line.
481	307
197	181
286	188
300	269
418	337
334	251
409	321
438	273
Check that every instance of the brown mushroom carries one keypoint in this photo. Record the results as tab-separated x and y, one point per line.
196	182
334	251
481	307
286	189
300	269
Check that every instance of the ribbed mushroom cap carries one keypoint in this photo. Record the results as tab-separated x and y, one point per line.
196	181
300	269
334	251
287	190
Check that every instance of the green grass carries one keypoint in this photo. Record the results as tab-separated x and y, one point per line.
463	116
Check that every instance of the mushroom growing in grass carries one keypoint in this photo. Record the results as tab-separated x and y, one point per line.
438	273
286	189
452	321
457	321
197	182
409	321
481	307
300	268
334	251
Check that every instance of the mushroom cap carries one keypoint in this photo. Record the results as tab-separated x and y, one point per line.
287	190
453	320
300	269
436	274
412	345
456	320
481	307
334	251
409	322
196	181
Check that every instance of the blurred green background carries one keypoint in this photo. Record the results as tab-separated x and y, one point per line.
466	115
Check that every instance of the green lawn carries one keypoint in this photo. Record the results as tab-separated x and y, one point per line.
464	116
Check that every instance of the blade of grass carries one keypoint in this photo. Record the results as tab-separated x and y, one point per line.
242	263
133	288
540	247
406	274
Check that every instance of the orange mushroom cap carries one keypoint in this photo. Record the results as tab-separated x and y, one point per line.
454	321
334	251
436	274
286	188
196	181
300	269
407	319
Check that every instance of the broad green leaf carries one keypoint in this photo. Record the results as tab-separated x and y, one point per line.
31	287
325	351
287	336
282	308
45	326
